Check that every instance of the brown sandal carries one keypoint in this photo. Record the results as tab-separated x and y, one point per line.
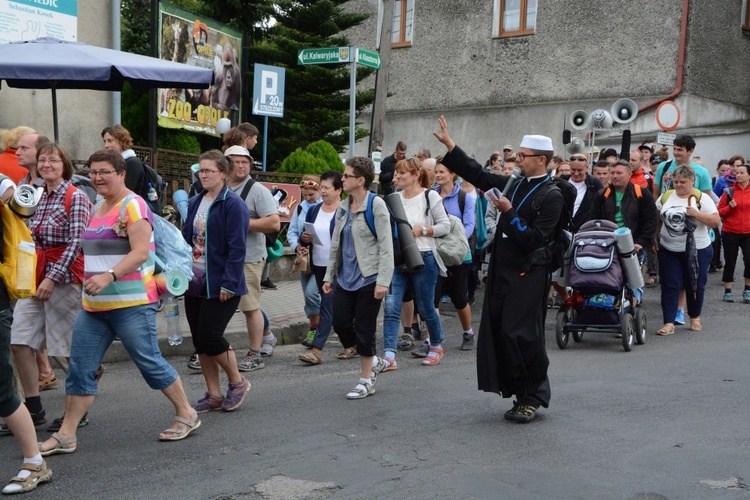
311	357
39	474
348	353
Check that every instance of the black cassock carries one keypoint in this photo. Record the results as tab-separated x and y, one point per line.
511	355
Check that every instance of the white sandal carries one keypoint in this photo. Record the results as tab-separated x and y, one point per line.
360	391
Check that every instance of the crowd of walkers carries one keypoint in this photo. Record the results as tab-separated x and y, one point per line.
95	266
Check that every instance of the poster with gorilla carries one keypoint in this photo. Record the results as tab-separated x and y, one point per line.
189	39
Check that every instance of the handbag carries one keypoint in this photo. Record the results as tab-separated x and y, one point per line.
302	264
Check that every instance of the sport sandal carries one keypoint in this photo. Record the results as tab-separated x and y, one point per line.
180	434
64	445
39	474
361	391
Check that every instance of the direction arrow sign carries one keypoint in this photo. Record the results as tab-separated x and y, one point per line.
329	55
368	58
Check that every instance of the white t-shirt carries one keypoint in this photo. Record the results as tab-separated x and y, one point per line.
323	230
581	188
414	209
673	216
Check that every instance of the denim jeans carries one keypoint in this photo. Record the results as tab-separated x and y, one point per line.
673	276
326	309
311	293
424	282
93	332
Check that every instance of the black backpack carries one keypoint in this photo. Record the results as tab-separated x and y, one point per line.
152	177
560	241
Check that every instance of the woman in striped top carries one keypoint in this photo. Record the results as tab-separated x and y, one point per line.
119	299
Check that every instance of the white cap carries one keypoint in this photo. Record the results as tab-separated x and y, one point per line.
237	151
538	142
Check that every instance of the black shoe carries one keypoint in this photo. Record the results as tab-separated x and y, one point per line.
37	418
57	423
471	299
268	284
712	269
521	413
422	351
468	342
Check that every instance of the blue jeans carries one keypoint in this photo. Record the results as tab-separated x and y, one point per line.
424	282
673	276
93	332
310	291
326	309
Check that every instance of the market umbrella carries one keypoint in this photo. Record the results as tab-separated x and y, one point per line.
50	63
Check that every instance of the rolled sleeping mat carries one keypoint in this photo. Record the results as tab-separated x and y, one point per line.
173	282
409	250
180	199
629	258
25	200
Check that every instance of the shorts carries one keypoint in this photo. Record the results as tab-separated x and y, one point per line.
47	324
251	300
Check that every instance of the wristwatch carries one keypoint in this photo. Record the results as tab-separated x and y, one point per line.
112	272
424	230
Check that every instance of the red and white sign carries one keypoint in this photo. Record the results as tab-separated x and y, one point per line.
668	116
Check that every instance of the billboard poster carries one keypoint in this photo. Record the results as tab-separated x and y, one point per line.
188	39
23	20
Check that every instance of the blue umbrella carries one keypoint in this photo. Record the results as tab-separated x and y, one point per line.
49	63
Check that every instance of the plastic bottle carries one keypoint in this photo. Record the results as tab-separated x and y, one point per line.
172	313
152	194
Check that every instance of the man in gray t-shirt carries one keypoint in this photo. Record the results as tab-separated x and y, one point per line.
264	218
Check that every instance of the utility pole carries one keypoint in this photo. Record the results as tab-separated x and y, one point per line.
381	77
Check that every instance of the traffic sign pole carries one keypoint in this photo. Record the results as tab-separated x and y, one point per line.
352	98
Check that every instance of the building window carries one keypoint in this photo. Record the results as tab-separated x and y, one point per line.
745	16
514	17
403	23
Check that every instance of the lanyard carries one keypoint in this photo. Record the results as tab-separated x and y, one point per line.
512	198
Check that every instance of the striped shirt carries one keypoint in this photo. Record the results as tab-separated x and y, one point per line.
103	249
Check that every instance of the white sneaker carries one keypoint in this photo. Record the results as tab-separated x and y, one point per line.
267	348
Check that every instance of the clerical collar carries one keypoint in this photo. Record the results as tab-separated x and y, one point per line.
536	177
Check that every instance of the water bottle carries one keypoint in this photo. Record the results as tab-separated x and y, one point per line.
152	194
172	313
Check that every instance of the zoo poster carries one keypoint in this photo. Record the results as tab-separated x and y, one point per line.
189	39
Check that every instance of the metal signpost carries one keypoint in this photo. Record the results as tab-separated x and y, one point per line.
268	97
339	55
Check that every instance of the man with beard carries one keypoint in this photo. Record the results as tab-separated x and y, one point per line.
511	355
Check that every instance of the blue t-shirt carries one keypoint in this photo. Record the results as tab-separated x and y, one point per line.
702	177
349	277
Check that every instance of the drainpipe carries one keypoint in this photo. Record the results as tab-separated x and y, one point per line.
680	61
116	96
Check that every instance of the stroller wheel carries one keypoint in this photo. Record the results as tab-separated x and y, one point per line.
577	335
627	328
561	333
640	326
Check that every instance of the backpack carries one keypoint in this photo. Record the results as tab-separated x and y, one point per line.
481	227
561	239
18	269
270	237
84	184
398	257
454	246
171	251
697	193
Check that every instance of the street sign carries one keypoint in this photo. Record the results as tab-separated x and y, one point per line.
329	55
368	58
665	139
668	116
268	91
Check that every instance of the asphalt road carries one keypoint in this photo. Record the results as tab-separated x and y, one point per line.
667	420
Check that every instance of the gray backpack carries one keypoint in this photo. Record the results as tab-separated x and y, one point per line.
595	262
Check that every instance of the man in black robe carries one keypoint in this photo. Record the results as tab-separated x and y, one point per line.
511	355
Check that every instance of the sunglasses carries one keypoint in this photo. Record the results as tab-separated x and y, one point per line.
577	158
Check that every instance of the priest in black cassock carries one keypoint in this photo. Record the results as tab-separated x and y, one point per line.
511	356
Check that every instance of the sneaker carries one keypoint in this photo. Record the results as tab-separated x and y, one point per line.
521	413
729	297
267	348
405	342
267	284
420	332
209	402
37	418
712	269
57	423
471	299
194	363
422	351
434	357
308	341
468	342
445	299
361	391
679	318
235	395
253	361
47	382
746	296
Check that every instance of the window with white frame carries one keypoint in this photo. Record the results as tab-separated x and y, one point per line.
514	17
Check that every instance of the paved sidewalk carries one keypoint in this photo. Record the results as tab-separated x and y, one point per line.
284	308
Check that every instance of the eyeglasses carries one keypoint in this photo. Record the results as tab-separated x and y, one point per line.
309	184
521	156
42	161
349	176
101	173
577	158
206	171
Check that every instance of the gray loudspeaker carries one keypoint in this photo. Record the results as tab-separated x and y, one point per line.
624	110
576	146
579	120
601	120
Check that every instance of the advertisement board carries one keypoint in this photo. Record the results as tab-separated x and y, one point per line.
22	20
189	39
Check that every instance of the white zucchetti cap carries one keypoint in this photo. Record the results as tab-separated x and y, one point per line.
237	151
538	142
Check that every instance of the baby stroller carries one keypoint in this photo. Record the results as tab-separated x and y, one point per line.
600	301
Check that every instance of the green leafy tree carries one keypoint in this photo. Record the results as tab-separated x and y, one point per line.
316	96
